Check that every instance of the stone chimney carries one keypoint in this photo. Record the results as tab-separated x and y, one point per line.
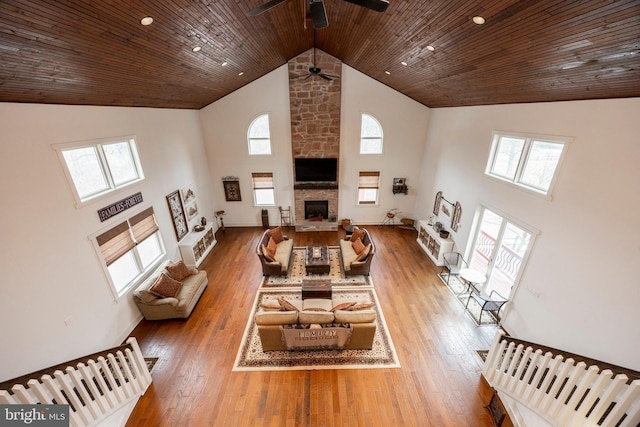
315	120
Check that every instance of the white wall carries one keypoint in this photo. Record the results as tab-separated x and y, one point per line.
404	121
224	126
579	291
404	124
50	269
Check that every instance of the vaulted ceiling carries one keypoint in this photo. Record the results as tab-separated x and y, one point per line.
88	52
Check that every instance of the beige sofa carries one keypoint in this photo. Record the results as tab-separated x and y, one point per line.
269	322
353	266
153	307
280	264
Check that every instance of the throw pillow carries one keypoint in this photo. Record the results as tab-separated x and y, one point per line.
343	306
165	287
357	246
360	306
363	255
287	305
357	234
276	234
315	309
179	271
272	246
268	255
271	307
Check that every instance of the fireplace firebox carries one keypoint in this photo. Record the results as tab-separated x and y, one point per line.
316	210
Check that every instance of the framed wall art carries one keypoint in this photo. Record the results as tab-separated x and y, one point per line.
177	214
231	189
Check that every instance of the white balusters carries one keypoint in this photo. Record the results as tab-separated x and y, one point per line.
561	392
93	390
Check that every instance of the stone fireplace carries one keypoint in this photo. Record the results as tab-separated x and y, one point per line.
315	125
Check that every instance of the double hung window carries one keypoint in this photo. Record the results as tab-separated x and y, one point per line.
527	161
130	249
99	168
368	186
263	188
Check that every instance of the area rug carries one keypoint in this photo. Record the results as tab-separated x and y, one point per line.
251	357
460	290
298	272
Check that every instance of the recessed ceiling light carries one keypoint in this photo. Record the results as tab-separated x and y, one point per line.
225	63
478	20
404	63
241	73
196	49
147	20
431	48
388	73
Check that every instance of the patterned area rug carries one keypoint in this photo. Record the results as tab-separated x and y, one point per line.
298	272
251	357
460	290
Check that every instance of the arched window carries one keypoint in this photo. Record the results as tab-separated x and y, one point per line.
259	136
370	135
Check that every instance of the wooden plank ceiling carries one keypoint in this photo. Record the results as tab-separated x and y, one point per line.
89	52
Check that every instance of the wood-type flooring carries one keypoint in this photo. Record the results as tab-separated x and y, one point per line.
439	383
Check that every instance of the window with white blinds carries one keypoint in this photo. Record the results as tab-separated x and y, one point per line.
263	188
368	186
130	249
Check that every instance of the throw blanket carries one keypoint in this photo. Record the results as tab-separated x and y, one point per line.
316	337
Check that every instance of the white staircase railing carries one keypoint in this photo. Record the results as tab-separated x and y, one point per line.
562	391
93	389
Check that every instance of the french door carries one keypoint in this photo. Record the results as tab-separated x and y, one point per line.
500	250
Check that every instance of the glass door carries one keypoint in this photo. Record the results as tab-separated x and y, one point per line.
499	251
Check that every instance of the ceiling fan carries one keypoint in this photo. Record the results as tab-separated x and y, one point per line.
317	11
315	71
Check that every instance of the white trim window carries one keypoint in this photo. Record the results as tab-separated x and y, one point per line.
370	135
368	186
96	168
528	161
130	250
259	136
264	193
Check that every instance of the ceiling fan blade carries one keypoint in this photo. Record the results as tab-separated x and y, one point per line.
377	5
318	14
326	77
264	7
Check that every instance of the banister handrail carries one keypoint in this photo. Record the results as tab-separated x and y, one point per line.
95	387
24	379
560	388
630	373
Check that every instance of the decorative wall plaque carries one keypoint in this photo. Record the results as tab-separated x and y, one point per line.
177	214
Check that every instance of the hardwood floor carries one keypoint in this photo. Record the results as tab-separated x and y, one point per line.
439	383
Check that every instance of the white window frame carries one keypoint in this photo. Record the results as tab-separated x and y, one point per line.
97	145
529	140
273	188
367	203
144	272
364	138
250	139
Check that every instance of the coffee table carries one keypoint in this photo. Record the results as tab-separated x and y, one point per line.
317	259
316	288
